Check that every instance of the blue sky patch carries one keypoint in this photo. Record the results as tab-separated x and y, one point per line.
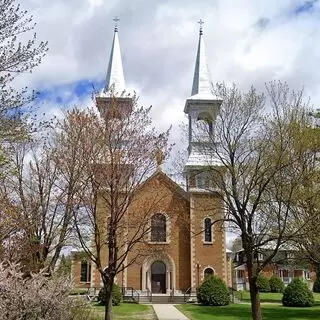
307	6
65	94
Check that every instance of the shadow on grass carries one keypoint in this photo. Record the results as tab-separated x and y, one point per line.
243	312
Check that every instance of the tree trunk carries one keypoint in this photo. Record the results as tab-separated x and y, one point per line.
253	272
108	300
254	297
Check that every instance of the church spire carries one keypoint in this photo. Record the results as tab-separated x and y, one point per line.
115	77
202	109
202	83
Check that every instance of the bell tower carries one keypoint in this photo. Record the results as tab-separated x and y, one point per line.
202	108
113	172
113	101
206	207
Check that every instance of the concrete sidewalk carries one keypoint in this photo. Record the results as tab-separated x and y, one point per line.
168	312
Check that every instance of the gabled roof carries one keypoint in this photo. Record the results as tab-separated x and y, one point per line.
159	174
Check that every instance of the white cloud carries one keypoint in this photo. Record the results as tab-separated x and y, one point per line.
248	42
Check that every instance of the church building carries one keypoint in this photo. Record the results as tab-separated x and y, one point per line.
185	246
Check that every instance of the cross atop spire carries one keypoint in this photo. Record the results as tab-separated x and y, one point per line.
202	84
115	76
201	23
116	19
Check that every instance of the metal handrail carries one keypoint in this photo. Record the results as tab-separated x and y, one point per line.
149	294
187	292
92	293
171	295
134	293
137	293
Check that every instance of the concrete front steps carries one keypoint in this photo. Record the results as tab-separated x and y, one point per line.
161	299
144	297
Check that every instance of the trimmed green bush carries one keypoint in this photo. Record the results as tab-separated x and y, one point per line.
276	284
297	294
78	291
263	283
116	295
213	292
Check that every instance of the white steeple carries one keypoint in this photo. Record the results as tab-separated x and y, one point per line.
115	77
202	109
202	83
115	85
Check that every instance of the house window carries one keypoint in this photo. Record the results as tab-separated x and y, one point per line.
85	275
158	228
208	272
289	255
240	275
207	230
258	256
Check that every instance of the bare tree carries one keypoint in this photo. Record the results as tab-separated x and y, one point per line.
117	153
8	227
262	166
43	199
18	54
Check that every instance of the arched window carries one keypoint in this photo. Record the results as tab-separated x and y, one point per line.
208	272
205	122
85	273
158	228
207	230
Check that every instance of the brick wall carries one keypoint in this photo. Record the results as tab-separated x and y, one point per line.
160	196
184	251
207	255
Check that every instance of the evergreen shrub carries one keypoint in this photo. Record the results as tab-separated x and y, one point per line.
116	295
263	283
297	294
213	292
276	284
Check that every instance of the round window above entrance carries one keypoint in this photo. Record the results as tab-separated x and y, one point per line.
208	272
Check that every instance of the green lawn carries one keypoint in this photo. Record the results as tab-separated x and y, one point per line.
243	312
272	297
126	311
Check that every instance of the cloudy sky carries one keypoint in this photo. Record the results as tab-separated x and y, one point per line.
247	41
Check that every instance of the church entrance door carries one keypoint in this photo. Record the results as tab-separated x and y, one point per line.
158	277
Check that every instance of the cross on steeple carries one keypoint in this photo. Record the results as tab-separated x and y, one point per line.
116	19
201	23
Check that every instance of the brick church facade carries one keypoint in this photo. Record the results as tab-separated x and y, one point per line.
183	245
